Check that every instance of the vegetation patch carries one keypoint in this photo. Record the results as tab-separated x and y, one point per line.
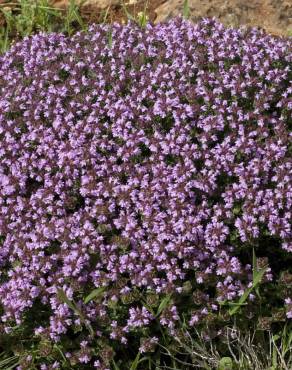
145	220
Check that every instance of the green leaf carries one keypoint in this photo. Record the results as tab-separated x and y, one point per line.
96	293
135	363
254	264
286	340
186	9
276	337
163	304
254	271
61	353
9	363
143	19
63	297
115	366
242	299
225	363
110	38
236	210
258	275
149	308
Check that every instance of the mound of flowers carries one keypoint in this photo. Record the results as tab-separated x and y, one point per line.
142	173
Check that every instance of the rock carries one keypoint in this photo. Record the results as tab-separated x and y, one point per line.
273	15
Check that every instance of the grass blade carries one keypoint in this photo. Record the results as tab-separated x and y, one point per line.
186	10
135	363
63	297
96	293
257	279
163	304
128	14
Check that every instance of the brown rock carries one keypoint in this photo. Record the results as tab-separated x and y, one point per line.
273	15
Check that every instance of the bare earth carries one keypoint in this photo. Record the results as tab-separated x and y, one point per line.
275	16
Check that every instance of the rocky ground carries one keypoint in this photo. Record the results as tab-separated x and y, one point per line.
273	15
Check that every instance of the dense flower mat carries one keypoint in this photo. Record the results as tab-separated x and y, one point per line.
141	166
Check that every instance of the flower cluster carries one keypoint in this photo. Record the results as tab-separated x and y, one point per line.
134	160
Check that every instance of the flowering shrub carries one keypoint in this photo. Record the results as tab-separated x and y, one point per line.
141	168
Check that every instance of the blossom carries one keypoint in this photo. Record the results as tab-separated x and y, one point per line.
132	166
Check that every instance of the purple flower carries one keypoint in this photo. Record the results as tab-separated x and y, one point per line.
136	168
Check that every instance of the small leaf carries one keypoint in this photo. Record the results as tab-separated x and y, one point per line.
61	352
135	362
236	210
163	304
115	365
242	299
254	264
257	279
142	18
186	9
258	276
225	363
96	293
62	295
110	38
254	271
71	304
187	287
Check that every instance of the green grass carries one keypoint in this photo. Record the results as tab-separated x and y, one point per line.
26	17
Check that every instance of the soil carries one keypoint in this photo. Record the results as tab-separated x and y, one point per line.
275	16
116	12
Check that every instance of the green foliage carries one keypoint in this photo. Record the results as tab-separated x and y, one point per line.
163	304
186	9
135	363
96	293
141	18
8	362
73	18
258	274
225	363
110	38
29	16
71	304
257	278
5	31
